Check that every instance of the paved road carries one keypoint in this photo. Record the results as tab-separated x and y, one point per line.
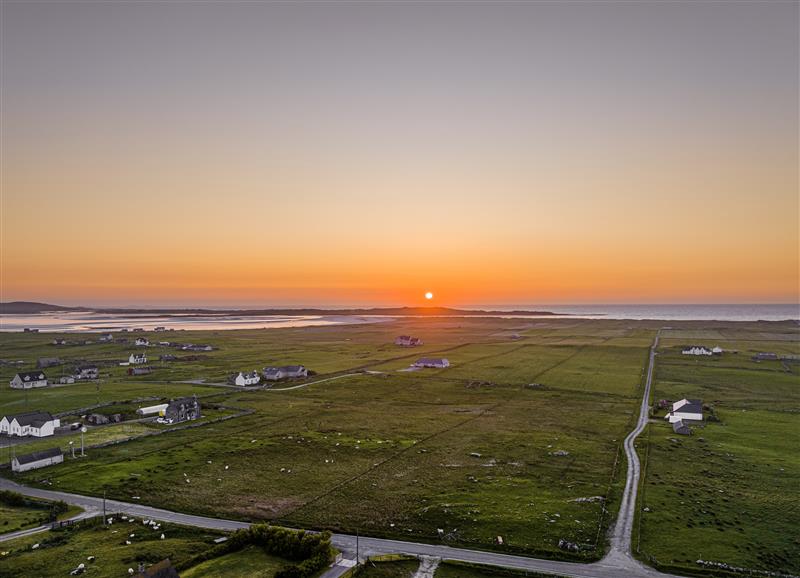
618	563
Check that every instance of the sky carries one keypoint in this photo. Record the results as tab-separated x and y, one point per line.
336	154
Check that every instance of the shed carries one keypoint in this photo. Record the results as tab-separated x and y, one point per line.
37	460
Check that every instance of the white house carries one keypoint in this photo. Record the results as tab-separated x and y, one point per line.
696	350
435	362
35	423
153	409
285	371
408	341
28	380
67	379
716	350
37	460
137	358
87	372
687	410
142	341
247	378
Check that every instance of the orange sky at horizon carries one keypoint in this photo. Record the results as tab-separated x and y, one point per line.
351	170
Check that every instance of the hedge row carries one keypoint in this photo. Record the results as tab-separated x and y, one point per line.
311	551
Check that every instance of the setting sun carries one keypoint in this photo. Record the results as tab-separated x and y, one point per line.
428	295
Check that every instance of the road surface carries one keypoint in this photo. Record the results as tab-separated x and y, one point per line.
617	563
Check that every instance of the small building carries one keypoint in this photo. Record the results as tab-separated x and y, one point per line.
87	372
183	409
137	358
58	341
433	362
66	379
139	370
142	341
30	330
244	378
160	328
28	380
408	341
97	419
33	423
167	357
194	347
36	460
152	410
107	338
681	428
284	372
45	362
696	350
686	410
163	569
765	357
716	350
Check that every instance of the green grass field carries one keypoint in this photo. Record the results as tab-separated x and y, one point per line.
468	450
59	552
729	493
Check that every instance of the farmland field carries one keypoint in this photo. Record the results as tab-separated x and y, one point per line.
520	437
729	492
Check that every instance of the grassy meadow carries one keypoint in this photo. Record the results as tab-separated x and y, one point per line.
61	551
455	456
729	492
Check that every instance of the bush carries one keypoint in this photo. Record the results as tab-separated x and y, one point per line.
312	551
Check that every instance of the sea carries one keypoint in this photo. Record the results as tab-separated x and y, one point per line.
87	321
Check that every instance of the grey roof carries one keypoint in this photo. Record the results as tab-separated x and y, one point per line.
30	417
31	375
694	406
42	455
678	426
431	360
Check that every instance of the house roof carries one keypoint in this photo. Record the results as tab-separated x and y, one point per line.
688	406
163	569
30	417
431	360
42	455
31	375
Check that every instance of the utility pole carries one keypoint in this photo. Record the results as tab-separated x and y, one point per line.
83	431
357	554
104	506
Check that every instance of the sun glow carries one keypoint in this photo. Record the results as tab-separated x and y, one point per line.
428	295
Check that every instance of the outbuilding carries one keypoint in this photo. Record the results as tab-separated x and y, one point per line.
681	428
152	410
433	362
36	460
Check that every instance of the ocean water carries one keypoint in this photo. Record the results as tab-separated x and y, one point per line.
99	322
743	312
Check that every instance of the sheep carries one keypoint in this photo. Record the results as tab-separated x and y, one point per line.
162	536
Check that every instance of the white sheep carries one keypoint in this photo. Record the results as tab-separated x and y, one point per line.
162	536
130	571
35	546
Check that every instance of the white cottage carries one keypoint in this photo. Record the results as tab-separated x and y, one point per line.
696	350
434	362
28	380
142	341
686	410
137	358
247	378
284	372
35	423
37	460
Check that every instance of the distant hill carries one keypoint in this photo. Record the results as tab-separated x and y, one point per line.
28	307
31	307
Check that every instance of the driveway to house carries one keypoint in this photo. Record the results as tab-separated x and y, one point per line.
617	563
